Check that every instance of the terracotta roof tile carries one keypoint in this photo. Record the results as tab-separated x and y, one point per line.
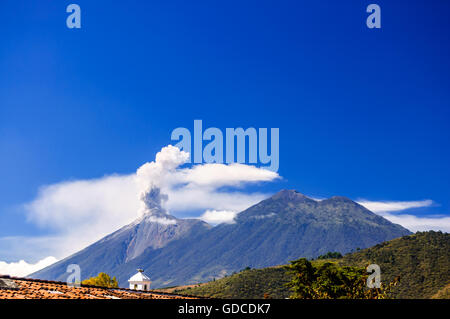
42	289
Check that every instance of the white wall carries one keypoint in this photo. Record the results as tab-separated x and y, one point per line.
140	285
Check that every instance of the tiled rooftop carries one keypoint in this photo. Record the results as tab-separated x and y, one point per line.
24	288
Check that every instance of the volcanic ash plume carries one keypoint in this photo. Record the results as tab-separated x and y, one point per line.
153	202
152	178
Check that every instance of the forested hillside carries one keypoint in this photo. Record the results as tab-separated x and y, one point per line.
422	261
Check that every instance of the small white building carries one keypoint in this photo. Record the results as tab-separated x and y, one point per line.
140	281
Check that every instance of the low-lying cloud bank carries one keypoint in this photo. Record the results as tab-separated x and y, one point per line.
391	210
22	268
415	223
215	217
393	206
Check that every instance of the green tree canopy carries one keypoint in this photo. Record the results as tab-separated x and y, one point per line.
330	281
102	280
330	255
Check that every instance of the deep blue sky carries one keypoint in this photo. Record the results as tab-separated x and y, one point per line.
362	113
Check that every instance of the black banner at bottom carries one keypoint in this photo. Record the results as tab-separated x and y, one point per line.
223	308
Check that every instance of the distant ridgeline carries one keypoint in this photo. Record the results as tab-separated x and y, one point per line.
422	261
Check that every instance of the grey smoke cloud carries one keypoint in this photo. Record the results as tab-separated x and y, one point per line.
152	176
153	200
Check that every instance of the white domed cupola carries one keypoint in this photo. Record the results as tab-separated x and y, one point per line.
140	281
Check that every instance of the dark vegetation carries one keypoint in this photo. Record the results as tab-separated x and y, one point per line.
247	284
331	255
328	280
420	261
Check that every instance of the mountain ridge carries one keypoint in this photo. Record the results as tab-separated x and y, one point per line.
421	261
283	227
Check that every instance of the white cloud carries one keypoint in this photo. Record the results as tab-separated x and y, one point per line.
110	200
390	210
264	216
218	216
199	198
159	172
78	213
162	220
218	175
391	206
415	223
22	268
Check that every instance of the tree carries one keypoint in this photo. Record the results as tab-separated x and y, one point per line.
102	280
329	281
331	255
303	279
